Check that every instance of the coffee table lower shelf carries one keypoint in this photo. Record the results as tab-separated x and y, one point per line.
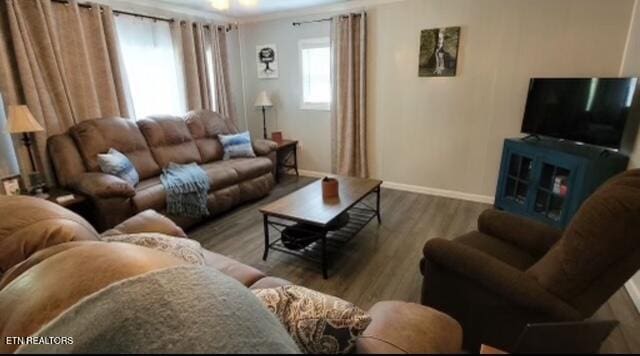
326	244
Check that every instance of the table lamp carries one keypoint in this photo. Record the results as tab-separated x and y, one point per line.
8	162
21	121
264	101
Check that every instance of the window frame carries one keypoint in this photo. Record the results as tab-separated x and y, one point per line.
311	43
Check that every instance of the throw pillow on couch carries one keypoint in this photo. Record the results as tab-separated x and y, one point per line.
237	146
117	164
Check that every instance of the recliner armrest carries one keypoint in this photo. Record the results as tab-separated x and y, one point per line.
102	186
400	327
532	236
497	277
147	221
264	147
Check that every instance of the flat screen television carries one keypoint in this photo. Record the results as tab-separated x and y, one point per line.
596	111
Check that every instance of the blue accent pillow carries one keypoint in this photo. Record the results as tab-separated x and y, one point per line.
117	164
237	146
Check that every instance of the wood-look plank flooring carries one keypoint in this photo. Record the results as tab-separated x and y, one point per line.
381	263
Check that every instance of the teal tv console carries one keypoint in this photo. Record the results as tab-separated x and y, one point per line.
548	180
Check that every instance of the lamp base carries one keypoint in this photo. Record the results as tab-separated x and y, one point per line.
37	182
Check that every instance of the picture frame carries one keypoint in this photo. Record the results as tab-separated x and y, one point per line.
12	186
439	49
267	61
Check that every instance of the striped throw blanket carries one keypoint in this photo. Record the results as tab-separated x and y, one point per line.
187	187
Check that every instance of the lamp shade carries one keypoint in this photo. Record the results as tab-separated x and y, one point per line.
21	120
263	100
8	162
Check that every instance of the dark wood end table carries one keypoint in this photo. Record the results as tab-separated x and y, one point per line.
286	157
80	204
306	211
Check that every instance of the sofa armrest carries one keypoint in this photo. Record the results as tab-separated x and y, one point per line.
532	236
102	186
400	327
147	221
497	277
264	147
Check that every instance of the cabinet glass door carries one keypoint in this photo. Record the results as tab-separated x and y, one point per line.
553	191
518	179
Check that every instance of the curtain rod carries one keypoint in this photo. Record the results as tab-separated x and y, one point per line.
300	23
228	27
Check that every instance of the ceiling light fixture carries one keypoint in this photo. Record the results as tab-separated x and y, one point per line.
248	3
221	5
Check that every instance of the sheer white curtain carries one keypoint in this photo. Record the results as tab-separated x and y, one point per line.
152	71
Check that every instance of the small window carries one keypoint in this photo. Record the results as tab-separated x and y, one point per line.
315	65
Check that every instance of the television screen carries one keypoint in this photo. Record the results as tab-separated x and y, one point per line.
590	110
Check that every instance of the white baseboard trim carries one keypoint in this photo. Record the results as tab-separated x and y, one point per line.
419	189
312	174
439	192
634	293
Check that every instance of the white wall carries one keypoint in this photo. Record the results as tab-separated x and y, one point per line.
444	133
631	67
447	133
311	128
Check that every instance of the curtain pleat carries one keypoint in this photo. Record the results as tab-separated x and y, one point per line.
348	112
221	72
68	65
195	40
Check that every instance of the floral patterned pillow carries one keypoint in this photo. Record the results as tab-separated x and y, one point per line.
188	250
319	323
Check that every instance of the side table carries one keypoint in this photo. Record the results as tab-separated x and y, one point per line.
80	204
286	157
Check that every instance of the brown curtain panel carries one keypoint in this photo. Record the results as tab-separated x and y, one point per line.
65	64
202	53
348	112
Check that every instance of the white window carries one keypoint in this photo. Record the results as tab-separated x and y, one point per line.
315	65
212	78
150	63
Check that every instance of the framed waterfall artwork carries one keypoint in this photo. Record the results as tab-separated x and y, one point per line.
439	52
267	59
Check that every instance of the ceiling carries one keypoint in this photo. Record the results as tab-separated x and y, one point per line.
239	9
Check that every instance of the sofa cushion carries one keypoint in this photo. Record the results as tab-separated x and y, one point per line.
98	136
169	140
205	126
245	274
249	168
505	252
150	193
65	158
37	225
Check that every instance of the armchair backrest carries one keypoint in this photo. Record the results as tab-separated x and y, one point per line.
599	250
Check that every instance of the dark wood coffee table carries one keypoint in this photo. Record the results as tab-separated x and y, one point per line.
305	210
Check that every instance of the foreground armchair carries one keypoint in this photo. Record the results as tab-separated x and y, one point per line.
514	271
52	261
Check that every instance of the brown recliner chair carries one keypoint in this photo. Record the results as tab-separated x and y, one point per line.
515	271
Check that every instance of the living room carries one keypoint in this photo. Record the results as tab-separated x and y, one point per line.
446	175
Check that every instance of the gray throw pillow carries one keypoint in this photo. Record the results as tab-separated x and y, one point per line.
117	164
237	146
